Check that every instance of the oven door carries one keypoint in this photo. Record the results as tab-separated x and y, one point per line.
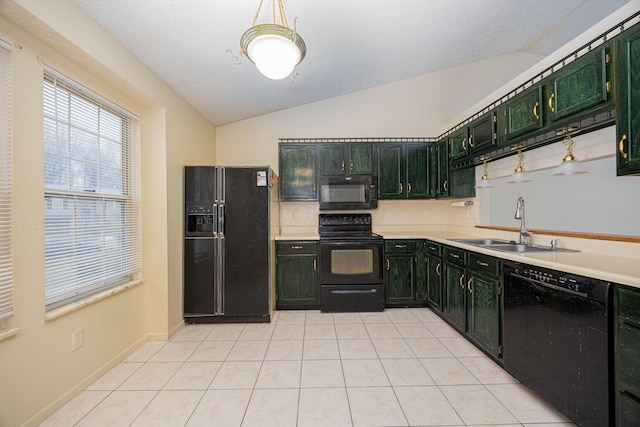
344	262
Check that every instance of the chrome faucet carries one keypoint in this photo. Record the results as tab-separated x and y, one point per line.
520	215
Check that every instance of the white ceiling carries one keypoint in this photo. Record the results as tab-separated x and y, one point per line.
351	44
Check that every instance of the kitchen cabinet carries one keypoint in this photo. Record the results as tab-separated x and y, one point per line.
579	86
484	290
441	172
628	102
458	146
342	159
297	284
520	115
433	274
627	356
463	182
404	171
298	166
455	287
402	279
482	133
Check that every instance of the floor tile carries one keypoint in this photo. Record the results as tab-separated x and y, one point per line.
178	351
169	408
320	332
324	407
448	371
248	350
476	405
226	332
117	409
279	374
357	349
258	332
392	348
226	407
461	347
351	331
364	373
145	352
322	373
211	351
193	333
339	318
285	331
382	330
193	376
236	375
77	408
413	330
375	406
377	317
487	371
426	315
320	349
442	330
277	408
318	318
405	372
292	317
426	406
151	376
112	379
401	315
525	405
428	347
284	350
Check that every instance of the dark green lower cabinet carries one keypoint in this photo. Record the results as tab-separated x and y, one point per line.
456	293
627	357
483	320
297	275
400	278
433	280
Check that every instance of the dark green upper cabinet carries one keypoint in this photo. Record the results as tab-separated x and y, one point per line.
298	171
442	173
404	170
458	143
340	159
417	170
392	166
522	114
628	102
463	182
579	86
482	133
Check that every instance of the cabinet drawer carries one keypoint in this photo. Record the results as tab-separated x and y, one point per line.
400	246
433	248
454	255
296	247
483	264
629	304
629	358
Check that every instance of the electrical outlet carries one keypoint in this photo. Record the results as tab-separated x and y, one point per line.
77	339
394	214
294	215
427	213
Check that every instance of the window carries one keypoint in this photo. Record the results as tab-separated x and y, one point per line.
6	175
92	195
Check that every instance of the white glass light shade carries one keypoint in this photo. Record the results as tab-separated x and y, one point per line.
519	177
569	167
275	56
485	183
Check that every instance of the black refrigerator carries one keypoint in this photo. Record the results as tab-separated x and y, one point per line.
229	249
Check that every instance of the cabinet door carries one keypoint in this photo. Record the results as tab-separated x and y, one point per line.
443	170
463	182
333	159
417	170
297	281
628	103
433	171
578	86
298	172
455	295
483	320
362	159
482	133
401	278
433	279
391	167
458	143
522	114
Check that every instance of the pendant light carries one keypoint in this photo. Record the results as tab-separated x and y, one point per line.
275	48
519	174
570	165
485	181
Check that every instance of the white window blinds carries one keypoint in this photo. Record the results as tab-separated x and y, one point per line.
92	191
6	188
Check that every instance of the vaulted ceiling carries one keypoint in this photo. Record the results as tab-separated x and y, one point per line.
351	44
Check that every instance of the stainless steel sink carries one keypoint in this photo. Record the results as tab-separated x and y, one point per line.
506	246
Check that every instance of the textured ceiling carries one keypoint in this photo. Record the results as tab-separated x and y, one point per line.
351	44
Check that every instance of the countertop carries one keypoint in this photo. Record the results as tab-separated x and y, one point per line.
614	269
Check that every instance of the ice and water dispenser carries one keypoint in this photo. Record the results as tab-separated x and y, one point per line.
200	221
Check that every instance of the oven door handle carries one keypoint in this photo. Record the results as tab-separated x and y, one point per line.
549	286
353	291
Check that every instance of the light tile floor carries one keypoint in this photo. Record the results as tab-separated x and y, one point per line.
401	367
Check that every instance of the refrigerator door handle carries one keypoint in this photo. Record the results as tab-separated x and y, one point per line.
221	214
215	220
219	285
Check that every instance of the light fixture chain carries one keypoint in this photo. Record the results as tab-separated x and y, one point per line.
255	17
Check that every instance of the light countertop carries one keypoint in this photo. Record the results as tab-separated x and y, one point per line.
614	269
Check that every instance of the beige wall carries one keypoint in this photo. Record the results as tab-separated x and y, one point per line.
38	370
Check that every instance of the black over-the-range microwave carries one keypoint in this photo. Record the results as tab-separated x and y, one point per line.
348	192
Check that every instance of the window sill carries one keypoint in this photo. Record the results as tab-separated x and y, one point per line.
8	333
76	305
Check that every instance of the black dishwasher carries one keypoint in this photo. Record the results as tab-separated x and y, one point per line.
556	340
